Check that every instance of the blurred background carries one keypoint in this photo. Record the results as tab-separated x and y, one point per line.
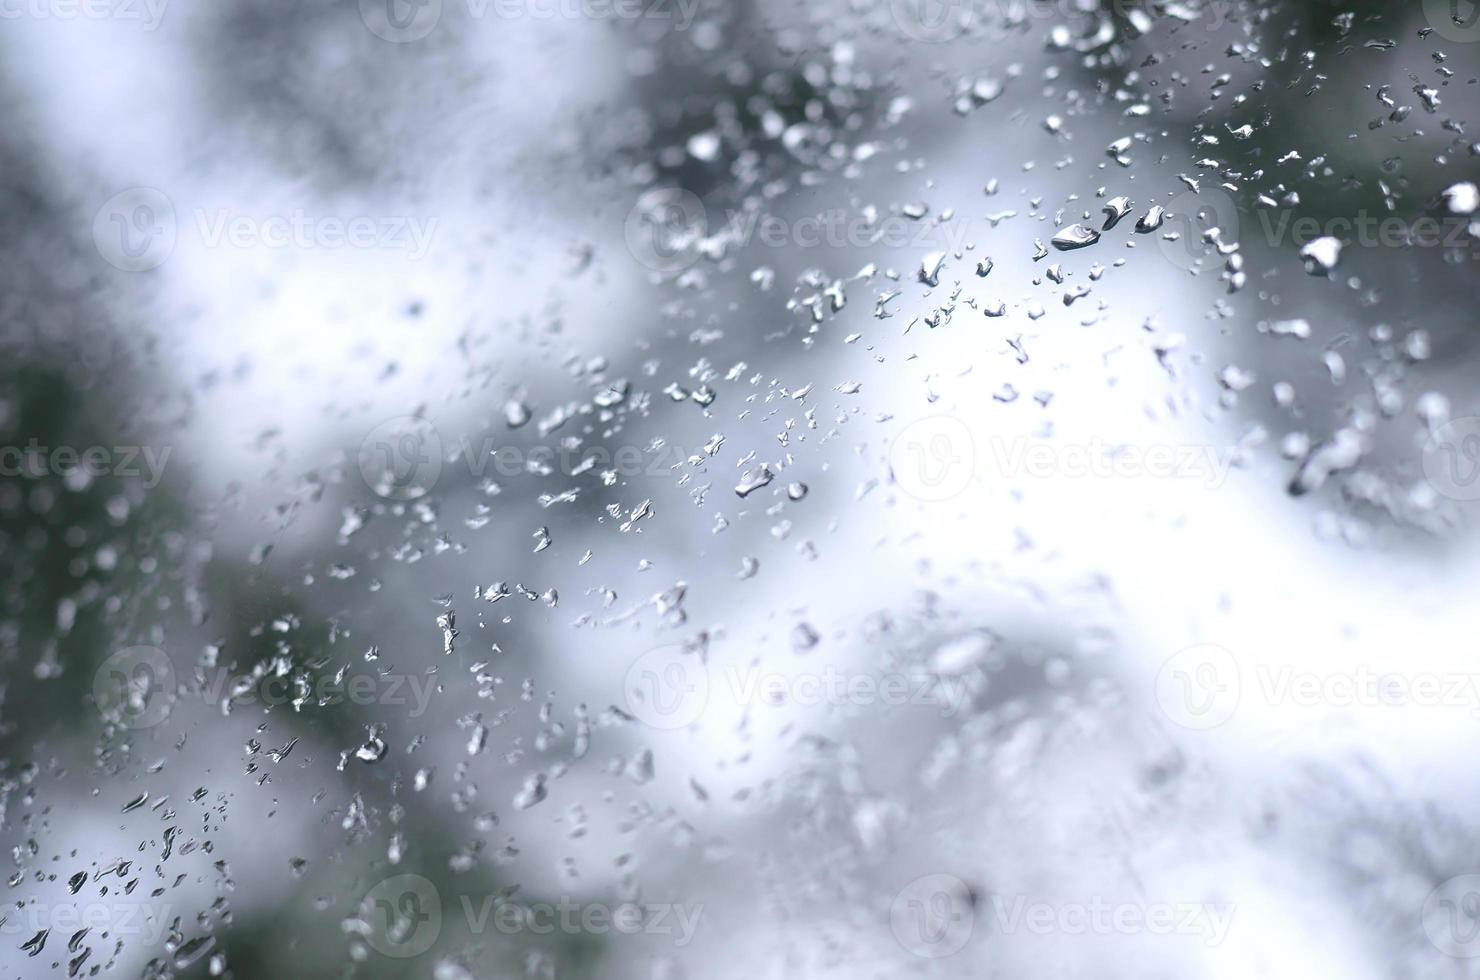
732	488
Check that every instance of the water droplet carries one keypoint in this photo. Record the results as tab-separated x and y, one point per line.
960	655
1291	328
704	146
372	750
930	268
1115	209
193	950
516	413
1462	198
753	480
1075	236
1321	255
803	638
36	943
533	792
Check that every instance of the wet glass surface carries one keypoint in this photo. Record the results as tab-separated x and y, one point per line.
673	488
